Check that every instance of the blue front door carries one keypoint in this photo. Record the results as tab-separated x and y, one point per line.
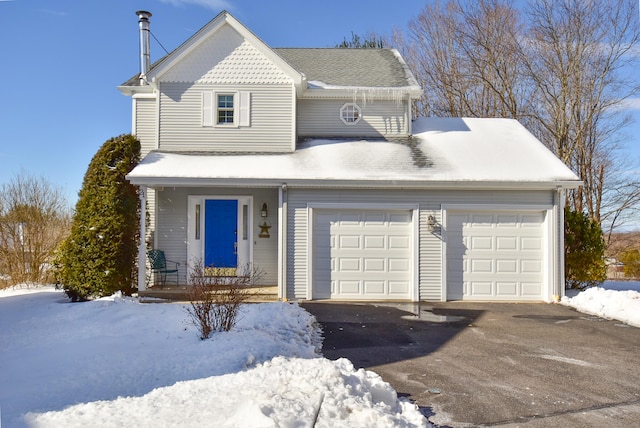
221	233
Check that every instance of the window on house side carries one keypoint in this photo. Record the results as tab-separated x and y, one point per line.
225	109
350	113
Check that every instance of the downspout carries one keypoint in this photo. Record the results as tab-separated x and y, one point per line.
560	248
282	240
142	247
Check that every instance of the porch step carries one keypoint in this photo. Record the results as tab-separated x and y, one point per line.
180	293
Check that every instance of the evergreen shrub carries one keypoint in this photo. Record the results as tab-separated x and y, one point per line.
584	251
99	256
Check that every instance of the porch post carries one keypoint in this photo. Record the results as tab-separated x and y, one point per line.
142	247
282	242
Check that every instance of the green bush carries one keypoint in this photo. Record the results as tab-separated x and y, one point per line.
99	257
631	261
584	251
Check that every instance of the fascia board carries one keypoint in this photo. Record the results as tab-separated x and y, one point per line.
134	90
412	80
345	184
380	93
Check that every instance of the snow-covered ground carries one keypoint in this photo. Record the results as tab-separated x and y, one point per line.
619	300
118	363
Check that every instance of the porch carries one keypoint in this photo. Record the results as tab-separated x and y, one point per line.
180	293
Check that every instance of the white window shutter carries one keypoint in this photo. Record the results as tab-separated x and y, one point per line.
207	108
244	108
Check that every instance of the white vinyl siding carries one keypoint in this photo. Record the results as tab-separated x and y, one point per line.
321	118
430	243
144	126
269	128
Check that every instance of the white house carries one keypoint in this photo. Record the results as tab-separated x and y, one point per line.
306	163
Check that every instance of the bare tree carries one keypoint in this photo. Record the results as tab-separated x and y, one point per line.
564	68
34	219
467	57
580	57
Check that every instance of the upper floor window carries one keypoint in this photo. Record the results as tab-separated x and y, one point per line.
350	113
229	109
225	109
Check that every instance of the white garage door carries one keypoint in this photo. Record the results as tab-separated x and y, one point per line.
495	256
362	255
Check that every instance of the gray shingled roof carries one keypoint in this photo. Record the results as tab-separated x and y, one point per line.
348	67
371	68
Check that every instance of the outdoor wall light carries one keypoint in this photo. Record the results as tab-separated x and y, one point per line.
265	210
431	223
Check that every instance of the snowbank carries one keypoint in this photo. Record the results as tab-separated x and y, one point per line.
622	305
119	363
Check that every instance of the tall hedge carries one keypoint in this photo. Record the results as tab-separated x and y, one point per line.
99	257
584	251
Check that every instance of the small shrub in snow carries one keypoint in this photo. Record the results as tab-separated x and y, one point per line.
215	301
584	251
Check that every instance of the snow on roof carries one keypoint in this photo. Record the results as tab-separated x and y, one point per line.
442	150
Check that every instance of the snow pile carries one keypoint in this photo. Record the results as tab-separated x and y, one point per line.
116	362
280	393
622	305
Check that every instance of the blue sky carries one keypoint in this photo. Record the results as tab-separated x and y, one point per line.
63	59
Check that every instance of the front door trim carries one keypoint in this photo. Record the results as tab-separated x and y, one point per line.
195	244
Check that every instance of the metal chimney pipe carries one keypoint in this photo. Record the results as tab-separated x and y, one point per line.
145	51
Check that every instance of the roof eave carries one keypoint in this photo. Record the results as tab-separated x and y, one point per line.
412	92
360	184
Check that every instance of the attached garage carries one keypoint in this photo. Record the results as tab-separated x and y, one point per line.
363	254
496	255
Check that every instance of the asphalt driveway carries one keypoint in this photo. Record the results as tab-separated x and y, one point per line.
494	364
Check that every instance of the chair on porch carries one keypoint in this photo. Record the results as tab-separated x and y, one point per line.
158	263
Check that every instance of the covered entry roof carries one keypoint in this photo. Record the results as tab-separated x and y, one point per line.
462	152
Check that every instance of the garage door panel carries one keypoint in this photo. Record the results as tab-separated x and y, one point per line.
481	288
399	219
371	251
374	287
531	243
481	220
533	289
399	242
506	220
506	243
349	241
481	243
348	219
493	256
375	242
398	265
482	265
399	289
374	218
507	266
531	266
346	264
374	264
348	287
507	288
